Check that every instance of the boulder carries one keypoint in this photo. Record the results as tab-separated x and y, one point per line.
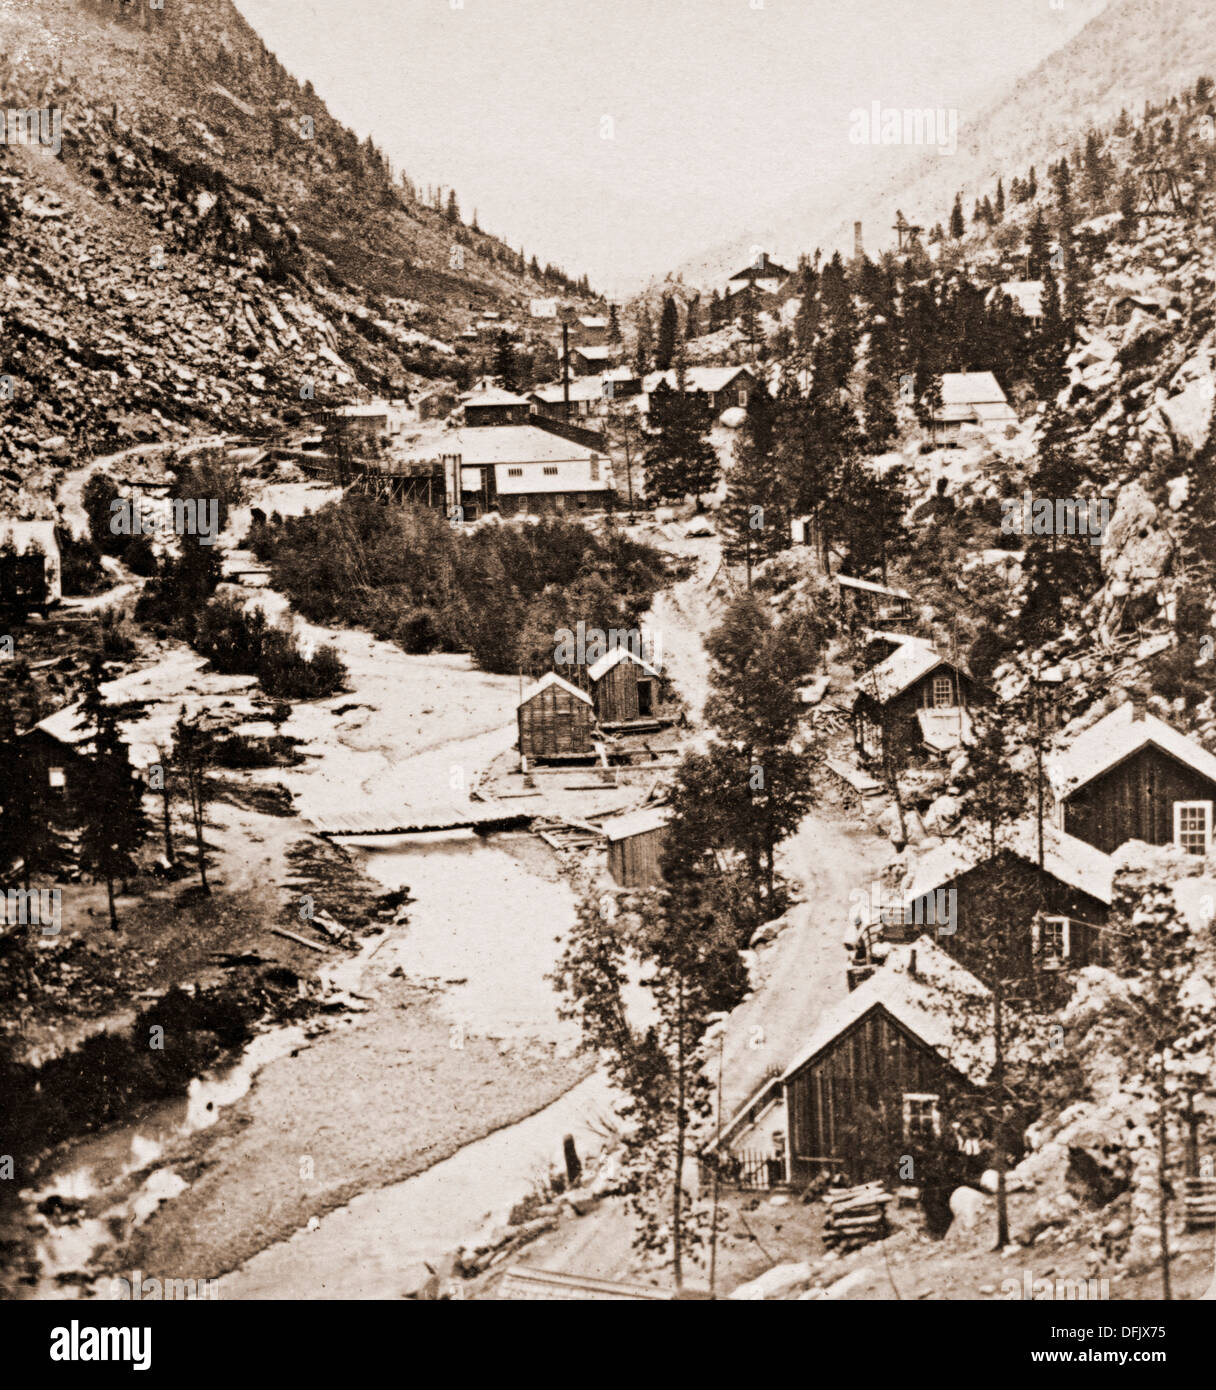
967	1206
773	1283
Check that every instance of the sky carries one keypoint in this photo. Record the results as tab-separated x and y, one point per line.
621	137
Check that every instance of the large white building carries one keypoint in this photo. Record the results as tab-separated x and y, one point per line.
522	469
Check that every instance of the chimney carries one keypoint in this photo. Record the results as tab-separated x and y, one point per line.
912	963
1138	704
858	249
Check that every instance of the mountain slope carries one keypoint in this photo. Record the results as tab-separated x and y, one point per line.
1133	51
208	247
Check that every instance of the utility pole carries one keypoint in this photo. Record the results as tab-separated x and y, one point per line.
713	1228
1038	753
565	371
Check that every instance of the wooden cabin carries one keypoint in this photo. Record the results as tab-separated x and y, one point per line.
635	846
1052	916
888	1071
1134	777
872	605
556	720
918	697
494	406
624	688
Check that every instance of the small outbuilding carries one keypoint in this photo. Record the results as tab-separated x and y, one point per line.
31	565
635	846
556	720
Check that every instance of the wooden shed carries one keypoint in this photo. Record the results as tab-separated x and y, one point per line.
864	601
624	687
635	846
556	720
1131	776
888	1071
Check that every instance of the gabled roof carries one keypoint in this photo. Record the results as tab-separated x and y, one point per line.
582	388
926	1003
971	388
1065	858
904	667
593	353
482	444
23	534
552	678
868	586
593	321
495	395
764	269
1116	737
600	668
639	822
708	379
1027	295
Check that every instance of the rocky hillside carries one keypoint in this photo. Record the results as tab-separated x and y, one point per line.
1129	52
207	248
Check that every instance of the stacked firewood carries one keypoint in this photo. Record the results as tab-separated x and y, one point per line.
855	1215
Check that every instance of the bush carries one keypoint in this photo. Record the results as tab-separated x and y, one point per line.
240	642
140	558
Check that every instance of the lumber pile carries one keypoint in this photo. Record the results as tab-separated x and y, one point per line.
1199	1202
855	1215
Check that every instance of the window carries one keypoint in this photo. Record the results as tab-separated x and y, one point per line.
1050	941
1193	826
943	692
56	778
742	398
515	472
550	470
922	1119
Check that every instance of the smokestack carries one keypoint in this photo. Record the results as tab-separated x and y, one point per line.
858	249
912	963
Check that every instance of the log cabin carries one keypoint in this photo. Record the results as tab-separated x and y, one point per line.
888	1070
494	406
1051	917
915	697
555	719
635	846
1132	776
624	688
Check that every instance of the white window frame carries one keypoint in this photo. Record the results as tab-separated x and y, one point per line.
1179	808
1036	929
930	1097
950	700
57	779
742	397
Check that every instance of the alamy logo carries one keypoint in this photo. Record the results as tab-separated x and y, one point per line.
168	1290
33	126
584	646
181	516
1028	1288
76	1343
886	125
878	906
32	907
1059	516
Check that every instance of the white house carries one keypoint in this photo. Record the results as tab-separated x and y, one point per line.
29	537
972	399
523	469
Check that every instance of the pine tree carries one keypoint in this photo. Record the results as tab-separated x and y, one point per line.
1038	260
958	227
614	324
644	348
505	367
110	800
998	206
680	460
669	328
754	521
